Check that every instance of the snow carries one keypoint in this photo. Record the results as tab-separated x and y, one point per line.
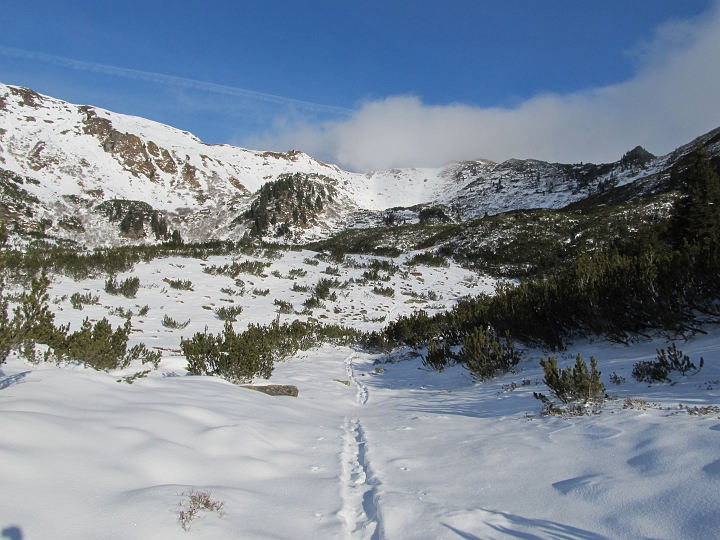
47	143
399	452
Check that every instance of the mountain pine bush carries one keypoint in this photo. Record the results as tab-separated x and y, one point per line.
573	384
486	356
658	370
128	287
239	357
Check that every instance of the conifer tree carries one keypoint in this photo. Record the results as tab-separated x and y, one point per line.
696	214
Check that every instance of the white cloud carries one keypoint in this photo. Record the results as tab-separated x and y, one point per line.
673	97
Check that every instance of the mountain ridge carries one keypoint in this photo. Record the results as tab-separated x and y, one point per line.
63	165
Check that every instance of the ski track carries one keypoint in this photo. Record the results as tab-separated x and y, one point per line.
359	486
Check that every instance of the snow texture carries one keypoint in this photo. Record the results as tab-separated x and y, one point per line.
374	446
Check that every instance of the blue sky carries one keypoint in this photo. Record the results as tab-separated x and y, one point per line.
373	84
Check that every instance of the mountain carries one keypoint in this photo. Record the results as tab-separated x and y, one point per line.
81	173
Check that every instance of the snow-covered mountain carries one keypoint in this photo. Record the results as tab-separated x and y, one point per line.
101	178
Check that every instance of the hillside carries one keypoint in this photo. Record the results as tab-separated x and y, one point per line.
99	178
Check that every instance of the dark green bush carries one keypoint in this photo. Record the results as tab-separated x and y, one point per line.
439	355
658	370
32	320
228	313
486	356
428	259
573	384
169	322
179	284
324	286
239	357
256	268
313	303
79	300
384	291
101	348
128	287
284	307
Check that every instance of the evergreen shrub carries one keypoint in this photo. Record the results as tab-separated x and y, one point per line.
228	313
127	288
572	384
486	356
658	370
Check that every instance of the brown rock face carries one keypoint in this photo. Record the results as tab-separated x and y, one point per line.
36	161
162	158
189	174
127	148
30	98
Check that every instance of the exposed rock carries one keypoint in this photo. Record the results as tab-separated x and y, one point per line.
189	174
36	161
30	98
162	158
234	182
127	148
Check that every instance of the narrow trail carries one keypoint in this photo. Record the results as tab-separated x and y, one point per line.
359	487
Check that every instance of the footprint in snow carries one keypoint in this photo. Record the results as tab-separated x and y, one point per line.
645	462
713	468
574	484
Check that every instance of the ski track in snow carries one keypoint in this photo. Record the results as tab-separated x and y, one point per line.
359	486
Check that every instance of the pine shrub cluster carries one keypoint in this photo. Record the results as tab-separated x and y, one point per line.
255	268
666	281
79	300
239	357
179	284
97	346
486	356
228	313
127	288
292	199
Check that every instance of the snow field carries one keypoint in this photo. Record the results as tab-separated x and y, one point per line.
374	447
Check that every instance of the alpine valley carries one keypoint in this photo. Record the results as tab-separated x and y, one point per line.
212	342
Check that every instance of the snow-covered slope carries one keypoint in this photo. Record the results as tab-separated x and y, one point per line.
63	161
374	447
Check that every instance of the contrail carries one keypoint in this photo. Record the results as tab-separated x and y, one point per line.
174	81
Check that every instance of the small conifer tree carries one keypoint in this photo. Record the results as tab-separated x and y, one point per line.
575	383
696	214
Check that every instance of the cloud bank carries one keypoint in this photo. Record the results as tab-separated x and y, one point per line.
673	97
